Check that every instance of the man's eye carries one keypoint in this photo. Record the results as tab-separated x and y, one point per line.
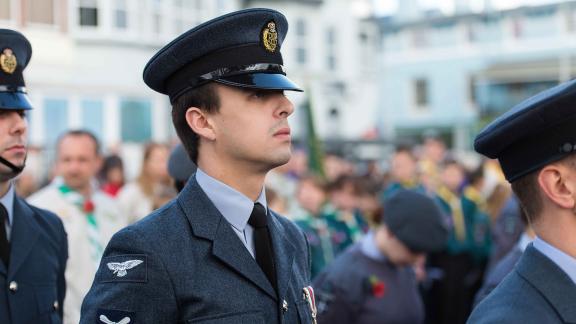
259	94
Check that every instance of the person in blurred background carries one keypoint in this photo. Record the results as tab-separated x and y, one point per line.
403	173
89	215
111	175
373	281
153	187
344	197
180	167
327	235
463	260
33	245
432	157
507	224
369	201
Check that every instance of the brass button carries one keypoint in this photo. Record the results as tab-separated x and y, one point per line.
13	286
56	305
284	306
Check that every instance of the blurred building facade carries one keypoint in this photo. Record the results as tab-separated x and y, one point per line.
88	57
87	62
455	73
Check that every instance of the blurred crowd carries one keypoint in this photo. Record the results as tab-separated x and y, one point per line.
335	208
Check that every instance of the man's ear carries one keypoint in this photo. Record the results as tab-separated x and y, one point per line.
199	122
557	183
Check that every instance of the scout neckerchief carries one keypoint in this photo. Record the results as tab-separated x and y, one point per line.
86	206
456	210
476	196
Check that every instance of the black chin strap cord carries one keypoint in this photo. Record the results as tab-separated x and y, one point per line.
15	169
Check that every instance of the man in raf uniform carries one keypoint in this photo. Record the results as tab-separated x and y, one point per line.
535	144
33	246
215	254
374	280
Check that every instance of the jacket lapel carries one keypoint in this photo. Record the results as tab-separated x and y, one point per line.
551	281
207	222
24	234
284	252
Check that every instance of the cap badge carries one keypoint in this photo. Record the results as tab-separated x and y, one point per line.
270	37
8	61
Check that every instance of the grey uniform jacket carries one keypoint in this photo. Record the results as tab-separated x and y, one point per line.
537	291
32	289
185	264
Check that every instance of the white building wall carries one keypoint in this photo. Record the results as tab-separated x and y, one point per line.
355	71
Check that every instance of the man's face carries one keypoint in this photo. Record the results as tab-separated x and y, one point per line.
77	161
251	127
13	131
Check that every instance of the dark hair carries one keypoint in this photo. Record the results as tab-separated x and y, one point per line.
203	97
476	175
344	182
110	162
527	190
79	133
404	149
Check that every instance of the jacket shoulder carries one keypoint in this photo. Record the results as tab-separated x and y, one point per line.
515	300
291	230
47	220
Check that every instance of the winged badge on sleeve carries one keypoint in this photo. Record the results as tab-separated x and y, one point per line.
105	319
120	268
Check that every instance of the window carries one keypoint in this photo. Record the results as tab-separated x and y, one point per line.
120	14
301	53
136	120
88	13
472	96
40	11
92	116
421	91
331	48
4	9
55	120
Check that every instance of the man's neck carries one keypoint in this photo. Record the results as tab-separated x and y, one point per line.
558	229
85	191
248	183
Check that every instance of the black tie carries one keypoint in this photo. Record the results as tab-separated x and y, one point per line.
4	244
262	242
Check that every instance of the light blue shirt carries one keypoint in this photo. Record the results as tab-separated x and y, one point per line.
233	205
369	248
524	241
8	201
561	259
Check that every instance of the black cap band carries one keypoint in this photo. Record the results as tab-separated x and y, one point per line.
236	57
5	88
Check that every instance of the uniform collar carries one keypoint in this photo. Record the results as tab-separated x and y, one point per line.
233	205
524	241
561	259
8	201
